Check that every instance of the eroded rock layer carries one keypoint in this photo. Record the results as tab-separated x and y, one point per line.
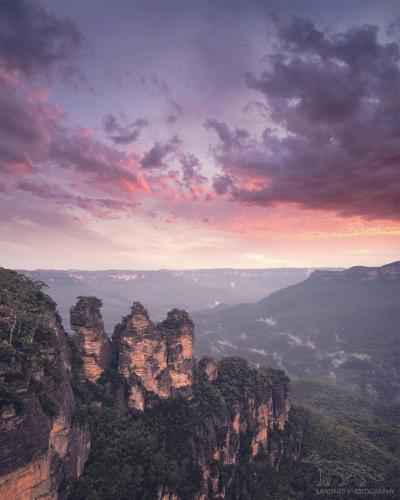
249	422
93	344
225	415
154	359
42	448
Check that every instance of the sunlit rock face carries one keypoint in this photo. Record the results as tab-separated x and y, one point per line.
178	330
90	337
208	368
165	493
225	413
154	359
42	448
248	423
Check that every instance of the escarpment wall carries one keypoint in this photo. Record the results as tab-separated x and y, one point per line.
246	420
238	414
41	448
248	423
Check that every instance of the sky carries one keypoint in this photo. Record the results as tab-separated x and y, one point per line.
199	134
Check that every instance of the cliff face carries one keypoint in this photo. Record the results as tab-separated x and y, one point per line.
247	409
224	416
93	344
178	330
41	448
247	425
389	272
154	359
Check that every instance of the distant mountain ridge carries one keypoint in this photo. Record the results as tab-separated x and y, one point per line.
342	325
388	271
163	290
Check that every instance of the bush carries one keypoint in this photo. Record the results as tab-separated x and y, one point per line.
7	351
46	401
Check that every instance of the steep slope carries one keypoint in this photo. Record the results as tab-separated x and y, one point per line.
197	448
203	430
42	447
194	424
90	337
338	324
156	359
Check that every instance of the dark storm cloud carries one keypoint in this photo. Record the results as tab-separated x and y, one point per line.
121	132
336	100
33	40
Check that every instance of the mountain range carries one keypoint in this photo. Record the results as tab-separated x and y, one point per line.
341	325
137	416
163	290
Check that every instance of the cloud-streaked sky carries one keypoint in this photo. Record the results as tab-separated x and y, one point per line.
199	134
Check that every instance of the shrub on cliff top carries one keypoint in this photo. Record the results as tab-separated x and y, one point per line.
23	307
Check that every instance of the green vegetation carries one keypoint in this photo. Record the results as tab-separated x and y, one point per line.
26	329
235	376
46	401
298	480
7	351
8	395
345	328
23	311
134	454
374	420
131	457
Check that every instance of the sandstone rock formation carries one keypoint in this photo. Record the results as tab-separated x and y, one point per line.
208	368
256	410
154	360
42	449
178	330
90	336
238	414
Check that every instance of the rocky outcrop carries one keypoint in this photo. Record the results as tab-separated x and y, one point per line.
225	415
208	368
42	448
142	357
90	337
165	493
154	360
178	330
251	422
243	423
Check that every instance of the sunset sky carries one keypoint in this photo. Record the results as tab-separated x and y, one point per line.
165	134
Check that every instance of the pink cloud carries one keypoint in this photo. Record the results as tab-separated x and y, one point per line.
41	156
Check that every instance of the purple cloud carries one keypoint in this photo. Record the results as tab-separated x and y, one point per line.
32	40
335	99
121	132
98	207
154	158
